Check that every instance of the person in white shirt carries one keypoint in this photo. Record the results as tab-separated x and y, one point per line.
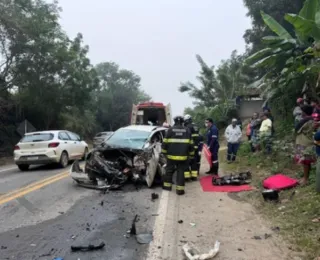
233	136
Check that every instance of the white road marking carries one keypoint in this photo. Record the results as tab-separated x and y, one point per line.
159	225
9	169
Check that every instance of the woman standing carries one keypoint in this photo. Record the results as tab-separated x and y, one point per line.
305	154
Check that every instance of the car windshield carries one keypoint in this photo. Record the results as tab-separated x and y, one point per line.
128	138
38	137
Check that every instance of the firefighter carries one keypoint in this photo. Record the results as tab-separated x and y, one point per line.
194	161
177	147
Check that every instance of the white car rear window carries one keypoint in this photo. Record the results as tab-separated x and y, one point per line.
39	137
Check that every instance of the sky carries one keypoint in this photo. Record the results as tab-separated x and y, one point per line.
158	40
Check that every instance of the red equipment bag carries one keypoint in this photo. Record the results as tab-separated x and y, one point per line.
207	154
279	182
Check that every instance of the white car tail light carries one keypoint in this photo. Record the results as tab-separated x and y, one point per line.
53	145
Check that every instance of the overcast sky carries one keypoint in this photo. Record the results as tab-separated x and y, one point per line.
158	40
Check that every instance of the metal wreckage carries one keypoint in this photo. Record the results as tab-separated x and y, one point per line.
109	167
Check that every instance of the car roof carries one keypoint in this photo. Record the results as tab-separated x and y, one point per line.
48	132
145	128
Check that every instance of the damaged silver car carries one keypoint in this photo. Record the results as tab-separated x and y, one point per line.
130	153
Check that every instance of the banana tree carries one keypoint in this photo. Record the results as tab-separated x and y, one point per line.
288	57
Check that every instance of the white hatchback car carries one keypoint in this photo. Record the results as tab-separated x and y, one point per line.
48	147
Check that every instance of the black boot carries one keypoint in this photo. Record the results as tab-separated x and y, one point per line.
180	192
210	171
215	169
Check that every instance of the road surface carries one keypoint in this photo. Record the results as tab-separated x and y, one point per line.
43	213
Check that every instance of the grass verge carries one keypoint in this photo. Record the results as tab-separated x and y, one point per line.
295	212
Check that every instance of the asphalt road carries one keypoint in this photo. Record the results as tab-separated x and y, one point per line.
44	213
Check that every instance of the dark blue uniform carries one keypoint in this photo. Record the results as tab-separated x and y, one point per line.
213	144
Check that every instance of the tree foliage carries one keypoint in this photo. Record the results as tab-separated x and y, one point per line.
48	79
218	88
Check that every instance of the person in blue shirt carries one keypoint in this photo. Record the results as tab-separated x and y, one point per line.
213	145
317	144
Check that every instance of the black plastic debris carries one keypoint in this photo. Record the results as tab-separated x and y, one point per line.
133	230
101	203
180	221
141	238
88	248
257	237
154	196
270	195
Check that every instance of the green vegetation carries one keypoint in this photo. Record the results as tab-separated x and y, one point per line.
48	79
281	60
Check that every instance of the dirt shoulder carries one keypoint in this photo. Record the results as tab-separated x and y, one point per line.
298	208
242	232
6	161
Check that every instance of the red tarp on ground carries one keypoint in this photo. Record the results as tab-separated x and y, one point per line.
206	184
279	182
207	154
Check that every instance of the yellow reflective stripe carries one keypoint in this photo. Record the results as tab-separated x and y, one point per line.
167	184
195	147
176	140
194	173
191	153
180	187
177	158
191	141
187	174
164	151
195	135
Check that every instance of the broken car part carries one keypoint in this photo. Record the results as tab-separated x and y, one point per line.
87	248
192	254
237	179
270	195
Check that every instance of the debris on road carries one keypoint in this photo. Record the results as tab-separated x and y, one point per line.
192	224
270	195
141	238
144	238
193	254
154	196
88	248
180	221
237	179
266	236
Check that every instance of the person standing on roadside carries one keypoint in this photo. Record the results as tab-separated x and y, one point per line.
266	132
177	147
297	112
316	139
213	145
233	135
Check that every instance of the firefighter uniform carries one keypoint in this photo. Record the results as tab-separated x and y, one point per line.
177	146
194	160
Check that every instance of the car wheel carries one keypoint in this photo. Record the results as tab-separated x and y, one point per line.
86	151
64	160
23	167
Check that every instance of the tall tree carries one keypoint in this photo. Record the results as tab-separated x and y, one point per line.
119	90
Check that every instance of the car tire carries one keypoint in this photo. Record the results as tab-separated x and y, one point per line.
86	151
23	167
64	160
